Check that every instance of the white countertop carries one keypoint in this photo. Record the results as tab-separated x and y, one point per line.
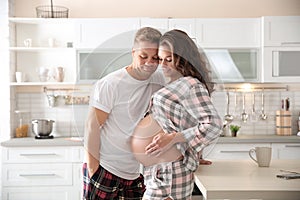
243	179
77	141
32	142
260	139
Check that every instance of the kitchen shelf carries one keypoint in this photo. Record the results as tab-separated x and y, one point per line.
42	83
36	49
40	20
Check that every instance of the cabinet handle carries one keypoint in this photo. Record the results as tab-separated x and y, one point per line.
291	145
234	151
275	64
37	154
287	43
35	175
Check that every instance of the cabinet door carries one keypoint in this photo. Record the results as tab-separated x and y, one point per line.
159	23
228	32
106	33
187	25
281	31
38	193
36	155
286	151
281	64
231	151
37	174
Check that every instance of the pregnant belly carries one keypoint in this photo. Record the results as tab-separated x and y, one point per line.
142	137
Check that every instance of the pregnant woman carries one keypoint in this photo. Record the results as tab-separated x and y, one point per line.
181	121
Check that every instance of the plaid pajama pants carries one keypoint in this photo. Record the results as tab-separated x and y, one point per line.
104	185
172	180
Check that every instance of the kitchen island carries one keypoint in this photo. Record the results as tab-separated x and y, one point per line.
243	179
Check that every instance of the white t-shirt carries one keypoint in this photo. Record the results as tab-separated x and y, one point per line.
126	100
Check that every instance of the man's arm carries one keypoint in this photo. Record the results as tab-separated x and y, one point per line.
95	120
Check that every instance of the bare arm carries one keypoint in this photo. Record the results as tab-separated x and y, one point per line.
96	118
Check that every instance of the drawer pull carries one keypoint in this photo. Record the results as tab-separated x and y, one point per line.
291	145
234	151
35	175
37	154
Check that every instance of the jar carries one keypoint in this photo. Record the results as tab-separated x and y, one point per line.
22	123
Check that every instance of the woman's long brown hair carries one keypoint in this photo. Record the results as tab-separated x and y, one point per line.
188	59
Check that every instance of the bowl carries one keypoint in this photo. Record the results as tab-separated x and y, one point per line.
42	127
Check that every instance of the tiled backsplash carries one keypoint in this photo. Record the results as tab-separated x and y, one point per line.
272	102
69	119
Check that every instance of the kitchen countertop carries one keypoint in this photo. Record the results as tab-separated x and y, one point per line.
32	142
243	179
77	141
260	139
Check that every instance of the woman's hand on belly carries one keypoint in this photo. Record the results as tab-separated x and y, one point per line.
161	143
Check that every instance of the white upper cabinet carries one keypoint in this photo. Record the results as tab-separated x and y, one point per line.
228	33
159	23
281	31
186	25
106	33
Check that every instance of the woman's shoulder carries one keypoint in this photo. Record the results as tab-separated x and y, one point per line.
188	82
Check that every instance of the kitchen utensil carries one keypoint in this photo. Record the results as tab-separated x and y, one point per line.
42	127
263	115
52	100
228	117
244	115
287	104
253	113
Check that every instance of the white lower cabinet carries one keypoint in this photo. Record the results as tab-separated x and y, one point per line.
286	150
46	173
241	151
231	151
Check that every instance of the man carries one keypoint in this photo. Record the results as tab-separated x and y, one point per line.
118	103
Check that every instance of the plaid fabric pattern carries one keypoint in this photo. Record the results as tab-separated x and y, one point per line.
168	180
104	185
185	106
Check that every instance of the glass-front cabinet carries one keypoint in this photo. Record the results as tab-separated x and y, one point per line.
234	65
95	64
281	64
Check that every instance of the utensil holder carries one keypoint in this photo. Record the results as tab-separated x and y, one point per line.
283	122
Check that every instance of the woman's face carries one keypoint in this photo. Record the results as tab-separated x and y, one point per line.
167	64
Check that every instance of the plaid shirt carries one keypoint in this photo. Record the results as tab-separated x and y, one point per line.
185	106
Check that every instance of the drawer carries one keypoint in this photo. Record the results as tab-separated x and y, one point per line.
231	151
47	174
38	193
36	154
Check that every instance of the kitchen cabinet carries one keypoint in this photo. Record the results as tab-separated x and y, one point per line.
106	33
229	33
286	150
230	151
188	25
281	30
240	151
281	64
32	172
36	43
233	47
162	24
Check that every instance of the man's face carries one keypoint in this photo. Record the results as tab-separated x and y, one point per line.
145	59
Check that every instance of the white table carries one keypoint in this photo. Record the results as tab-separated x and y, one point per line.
243	179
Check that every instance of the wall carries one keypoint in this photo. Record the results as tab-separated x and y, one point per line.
165	8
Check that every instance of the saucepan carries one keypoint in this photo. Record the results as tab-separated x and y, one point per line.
42	127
